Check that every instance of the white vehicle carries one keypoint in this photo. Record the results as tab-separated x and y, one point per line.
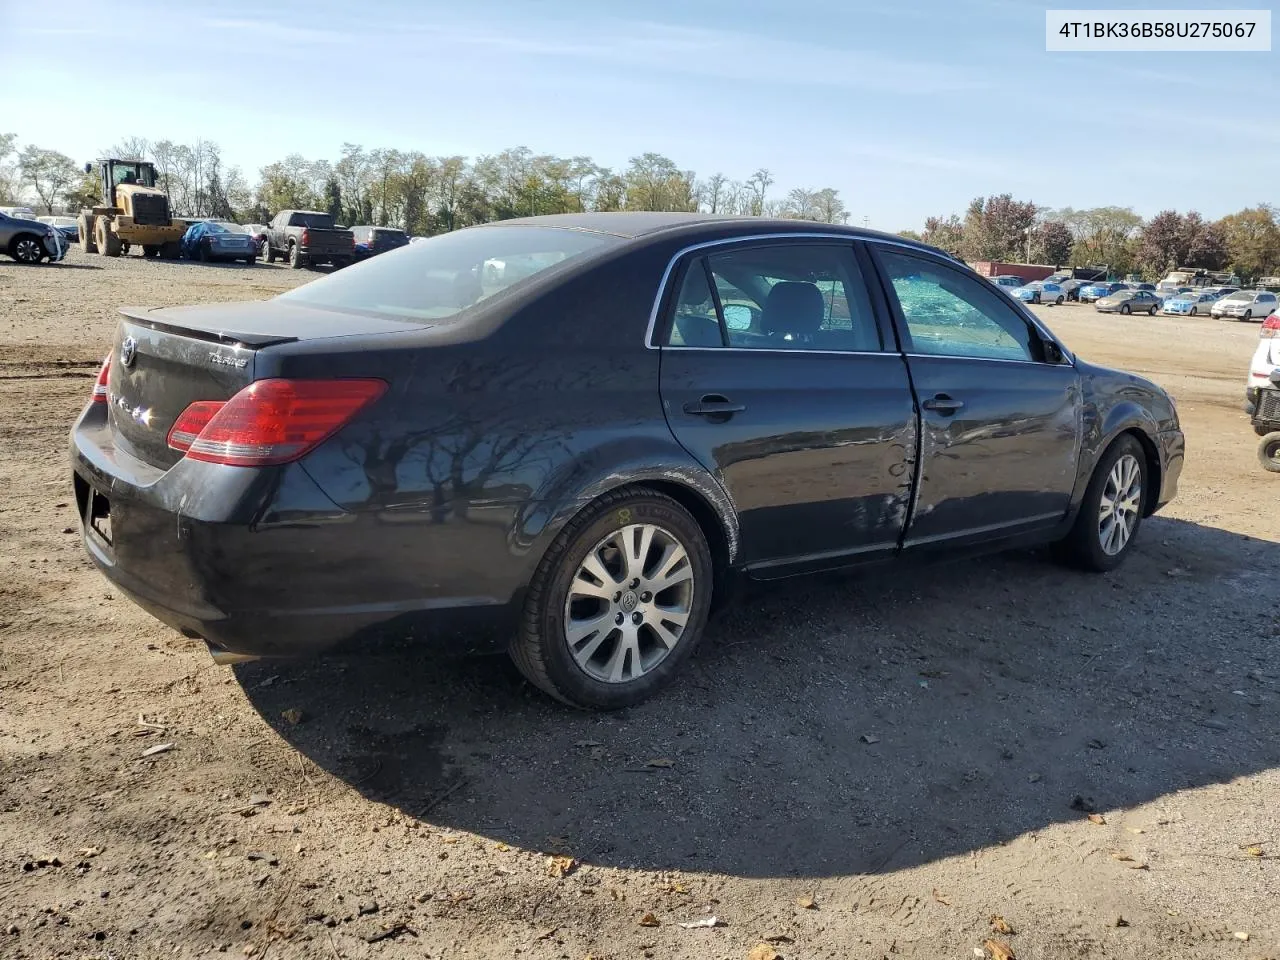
1245	305
1265	360
19	213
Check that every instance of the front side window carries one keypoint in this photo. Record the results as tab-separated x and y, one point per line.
948	314
785	296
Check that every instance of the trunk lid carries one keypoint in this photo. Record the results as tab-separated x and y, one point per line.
164	360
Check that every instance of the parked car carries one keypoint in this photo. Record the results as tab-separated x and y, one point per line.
67	226
1041	291
1007	280
1070	285
1129	301
1166	294
19	213
1245	305
1193	304
1096	291
1266	360
306	238
371	241
212	240
30	241
577	456
1140	285
1220	292
259	233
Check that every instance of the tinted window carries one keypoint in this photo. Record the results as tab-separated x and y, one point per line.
321	221
796	296
446	274
695	322
949	314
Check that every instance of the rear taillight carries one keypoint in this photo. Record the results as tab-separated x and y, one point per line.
192	420
270	421
1271	327
306	236
100	386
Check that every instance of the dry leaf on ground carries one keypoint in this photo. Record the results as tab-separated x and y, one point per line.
806	903
1253	851
1097	818
1122	857
648	920
762	951
293	716
937	895
1000	925
561	866
869	738
999	950
677	888
158	748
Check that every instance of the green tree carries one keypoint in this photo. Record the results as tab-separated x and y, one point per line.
47	172
9	180
1253	241
944	233
333	198
1103	236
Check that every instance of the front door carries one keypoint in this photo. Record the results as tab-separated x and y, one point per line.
775	378
999	424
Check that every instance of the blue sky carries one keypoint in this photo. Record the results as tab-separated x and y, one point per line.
908	108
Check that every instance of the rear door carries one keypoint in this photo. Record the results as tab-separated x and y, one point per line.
776	378
1000	425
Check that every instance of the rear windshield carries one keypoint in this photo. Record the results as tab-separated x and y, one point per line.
445	275
320	221
389	233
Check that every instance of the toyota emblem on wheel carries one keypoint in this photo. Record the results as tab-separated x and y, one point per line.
128	350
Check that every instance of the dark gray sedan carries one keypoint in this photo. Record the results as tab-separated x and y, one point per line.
30	241
571	436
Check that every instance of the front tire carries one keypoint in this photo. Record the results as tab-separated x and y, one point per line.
1058	302
1111	511
86	222
1151	312
1193	311
1124	309
27	248
618	603
1248	315
1269	452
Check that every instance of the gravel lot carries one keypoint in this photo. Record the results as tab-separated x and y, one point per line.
853	768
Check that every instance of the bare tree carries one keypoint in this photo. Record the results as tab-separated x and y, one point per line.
759	184
48	172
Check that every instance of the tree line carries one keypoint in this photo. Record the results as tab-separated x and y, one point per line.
407	189
424	195
1001	228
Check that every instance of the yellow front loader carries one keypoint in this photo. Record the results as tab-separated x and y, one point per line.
133	211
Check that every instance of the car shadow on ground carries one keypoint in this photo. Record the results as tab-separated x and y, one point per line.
840	726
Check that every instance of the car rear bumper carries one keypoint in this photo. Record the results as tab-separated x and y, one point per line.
260	562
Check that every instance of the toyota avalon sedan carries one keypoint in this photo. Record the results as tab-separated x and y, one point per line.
570	437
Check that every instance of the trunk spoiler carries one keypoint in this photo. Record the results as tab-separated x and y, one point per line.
162	320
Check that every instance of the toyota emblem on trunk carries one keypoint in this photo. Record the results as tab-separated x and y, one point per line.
128	350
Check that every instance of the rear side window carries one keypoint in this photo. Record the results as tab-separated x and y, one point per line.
948	314
786	296
446	274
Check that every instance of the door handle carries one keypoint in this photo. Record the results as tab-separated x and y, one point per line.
713	405
943	404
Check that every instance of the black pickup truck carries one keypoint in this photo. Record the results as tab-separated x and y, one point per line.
307	237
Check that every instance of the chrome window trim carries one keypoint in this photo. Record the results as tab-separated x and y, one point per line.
848	238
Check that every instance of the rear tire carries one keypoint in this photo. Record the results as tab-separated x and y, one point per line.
1089	546
1260	430
268	255
624	659
171	250
1269	452
151	250
296	260
27	248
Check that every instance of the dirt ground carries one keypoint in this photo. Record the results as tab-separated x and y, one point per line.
853	768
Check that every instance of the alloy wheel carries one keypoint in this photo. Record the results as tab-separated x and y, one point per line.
1120	505
27	250
629	603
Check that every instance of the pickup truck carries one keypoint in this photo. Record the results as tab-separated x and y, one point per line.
307	237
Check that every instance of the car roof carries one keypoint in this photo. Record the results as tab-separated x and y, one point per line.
633	225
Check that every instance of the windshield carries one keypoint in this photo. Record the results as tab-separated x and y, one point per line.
445	275
213	226
226	226
1242	297
133	173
